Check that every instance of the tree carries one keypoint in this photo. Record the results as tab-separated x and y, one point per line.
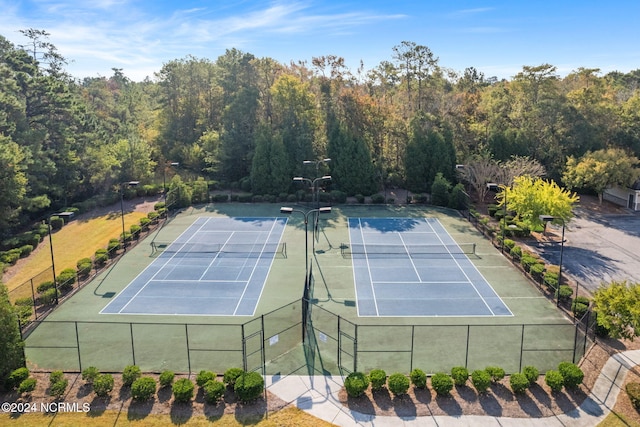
531	197
599	170
13	179
440	190
478	172
269	168
11	344
618	307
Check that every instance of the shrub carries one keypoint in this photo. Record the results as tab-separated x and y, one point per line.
101	257
144	223
518	382
130	374
537	270
113	246
48	297
356	383
56	376
580	306
17	376
564	292
509	244
24	302
27	385
230	376
377	198
56	222
554	380
249	386
442	383
418	378
571	374
460	375
378	379
25	250
58	388
90	374
633	391
135	230
481	380
84	266
550	279
338	196
103	384
204	377
359	198
143	388
532	373
213	391
398	384
495	372
516	252
182	390
67	278
166	378
45	286
220	198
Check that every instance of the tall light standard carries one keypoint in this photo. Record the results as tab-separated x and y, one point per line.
122	186
164	177
289	211
546	219
53	263
317	163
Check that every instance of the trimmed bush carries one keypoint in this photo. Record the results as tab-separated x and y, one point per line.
84	266
166	378
58	388
249	386
144	223
66	279
481	380
579	306
25	250
143	388
230	376
460	375
45	286
554	380
27	385
48	297
398	384
204	377
56	222
182	390
571	374
356	384
442	383
101	257
103	385
418	378
377	199
338	196
564	293
56	376
495	372
378	379
516	252
17	376
532	373
213	391
509	244
518	382
90	374
633	391
130	374
550	279
135	230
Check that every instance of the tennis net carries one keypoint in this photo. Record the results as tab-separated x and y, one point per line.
407	250
215	248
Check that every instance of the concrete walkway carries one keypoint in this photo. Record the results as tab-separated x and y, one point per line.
318	395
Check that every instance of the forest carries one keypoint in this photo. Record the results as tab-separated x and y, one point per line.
247	123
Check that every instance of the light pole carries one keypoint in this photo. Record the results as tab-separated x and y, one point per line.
289	211
130	184
53	263
546	219
317	163
164	177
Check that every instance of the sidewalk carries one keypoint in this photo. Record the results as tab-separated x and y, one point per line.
318	396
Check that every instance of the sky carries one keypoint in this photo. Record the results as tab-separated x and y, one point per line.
498	38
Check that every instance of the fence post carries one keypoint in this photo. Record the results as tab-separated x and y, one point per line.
521	347
466	356
244	349
576	326
33	298
186	335
263	349
413	337
78	347
355	351
133	351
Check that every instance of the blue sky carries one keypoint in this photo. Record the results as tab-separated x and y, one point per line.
495	37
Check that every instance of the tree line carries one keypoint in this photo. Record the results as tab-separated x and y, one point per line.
244	122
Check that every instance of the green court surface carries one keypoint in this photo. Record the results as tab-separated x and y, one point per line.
335	339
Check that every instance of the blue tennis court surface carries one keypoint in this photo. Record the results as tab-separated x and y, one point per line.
218	266
413	267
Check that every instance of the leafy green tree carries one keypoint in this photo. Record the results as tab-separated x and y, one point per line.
269	168
599	170
618	307
11	344
440	190
531	197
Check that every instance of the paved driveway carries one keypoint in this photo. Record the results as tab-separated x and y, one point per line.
599	248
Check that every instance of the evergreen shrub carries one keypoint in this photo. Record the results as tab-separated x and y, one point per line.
418	378
571	374
143	389
554	380
103	385
442	383
460	375
182	390
378	379
90	374
495	372
531	372
481	380
27	385
356	384
231	375
398	384
204	376
130	374
249	386
166	378
213	391
518	382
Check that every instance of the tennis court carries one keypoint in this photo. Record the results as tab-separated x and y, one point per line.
216	267
413	267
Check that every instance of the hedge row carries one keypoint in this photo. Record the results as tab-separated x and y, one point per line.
356	384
